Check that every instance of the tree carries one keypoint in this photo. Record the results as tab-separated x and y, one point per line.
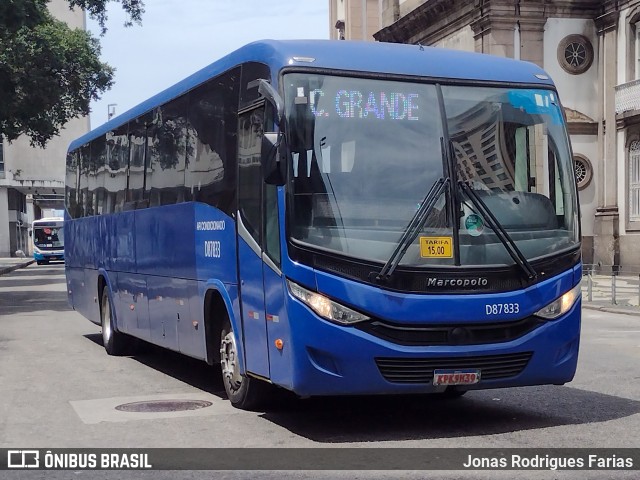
97	9
49	73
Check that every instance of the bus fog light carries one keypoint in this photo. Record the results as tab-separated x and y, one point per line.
325	307
561	305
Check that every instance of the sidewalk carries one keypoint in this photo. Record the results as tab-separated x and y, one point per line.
626	294
10	264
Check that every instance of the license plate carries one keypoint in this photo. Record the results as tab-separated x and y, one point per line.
456	377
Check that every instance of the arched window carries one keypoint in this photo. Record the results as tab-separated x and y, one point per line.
634	181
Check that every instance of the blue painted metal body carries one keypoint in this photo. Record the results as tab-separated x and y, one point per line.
159	263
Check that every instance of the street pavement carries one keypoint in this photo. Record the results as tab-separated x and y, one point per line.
9	264
58	389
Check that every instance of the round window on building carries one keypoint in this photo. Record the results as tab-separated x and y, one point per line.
583	170
575	54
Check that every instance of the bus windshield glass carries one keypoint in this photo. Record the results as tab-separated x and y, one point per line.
365	153
48	236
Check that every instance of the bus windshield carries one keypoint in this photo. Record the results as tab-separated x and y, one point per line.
46	236
365	153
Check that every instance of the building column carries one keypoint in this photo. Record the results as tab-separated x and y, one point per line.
494	36
498	26
390	12
5	243
28	250
606	242
532	40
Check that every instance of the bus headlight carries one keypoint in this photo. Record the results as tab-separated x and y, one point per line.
325	307
561	305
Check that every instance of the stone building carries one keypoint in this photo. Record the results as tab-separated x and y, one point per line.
32	179
346	18
591	49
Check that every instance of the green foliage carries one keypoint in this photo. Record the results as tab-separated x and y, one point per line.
49	73
97	9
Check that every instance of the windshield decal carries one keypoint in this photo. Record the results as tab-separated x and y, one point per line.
541	102
474	225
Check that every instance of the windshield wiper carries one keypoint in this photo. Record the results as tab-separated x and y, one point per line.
500	232
413	228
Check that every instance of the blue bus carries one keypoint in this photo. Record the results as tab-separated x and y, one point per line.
336	218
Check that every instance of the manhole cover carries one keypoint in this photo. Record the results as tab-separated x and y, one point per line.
164	406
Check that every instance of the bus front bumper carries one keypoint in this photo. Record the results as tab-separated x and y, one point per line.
330	359
47	256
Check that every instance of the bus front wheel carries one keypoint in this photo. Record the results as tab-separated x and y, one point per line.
115	343
243	392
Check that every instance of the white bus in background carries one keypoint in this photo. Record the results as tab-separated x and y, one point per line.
47	235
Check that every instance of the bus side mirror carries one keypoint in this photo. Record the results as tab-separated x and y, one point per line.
273	97
273	151
273	158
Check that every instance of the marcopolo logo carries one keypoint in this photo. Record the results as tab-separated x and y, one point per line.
457	282
23	459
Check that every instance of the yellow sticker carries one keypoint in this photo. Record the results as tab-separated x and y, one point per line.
436	247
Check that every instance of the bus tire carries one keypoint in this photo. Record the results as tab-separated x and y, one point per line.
244	392
39	262
115	343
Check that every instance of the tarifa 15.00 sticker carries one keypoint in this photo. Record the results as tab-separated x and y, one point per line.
436	247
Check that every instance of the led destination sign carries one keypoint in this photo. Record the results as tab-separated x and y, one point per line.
384	105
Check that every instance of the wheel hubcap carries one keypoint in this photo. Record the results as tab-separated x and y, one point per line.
106	323
229	362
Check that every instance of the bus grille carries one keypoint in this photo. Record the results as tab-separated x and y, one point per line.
420	370
450	334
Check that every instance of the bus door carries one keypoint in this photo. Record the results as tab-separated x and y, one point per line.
258	241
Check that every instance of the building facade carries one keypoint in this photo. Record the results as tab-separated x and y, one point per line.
32	179
347	17
591	49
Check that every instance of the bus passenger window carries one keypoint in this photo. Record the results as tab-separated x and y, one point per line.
249	172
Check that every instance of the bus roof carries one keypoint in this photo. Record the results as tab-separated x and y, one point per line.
47	219
354	56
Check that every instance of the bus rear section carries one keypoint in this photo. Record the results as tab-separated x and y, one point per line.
47	235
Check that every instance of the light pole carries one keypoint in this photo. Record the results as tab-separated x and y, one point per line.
111	110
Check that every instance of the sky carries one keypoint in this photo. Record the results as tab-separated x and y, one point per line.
178	37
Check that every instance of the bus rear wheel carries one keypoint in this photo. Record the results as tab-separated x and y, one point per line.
244	392
115	343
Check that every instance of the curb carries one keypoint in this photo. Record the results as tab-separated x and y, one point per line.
4	270
612	309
